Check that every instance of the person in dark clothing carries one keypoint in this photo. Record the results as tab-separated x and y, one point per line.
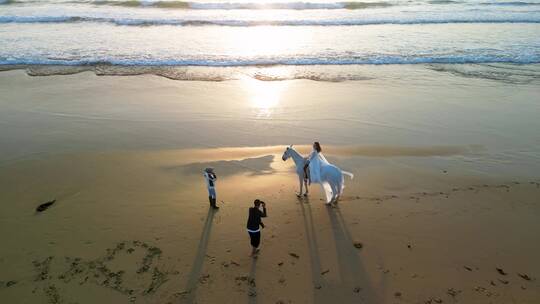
254	224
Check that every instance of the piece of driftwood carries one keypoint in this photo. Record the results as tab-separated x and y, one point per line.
44	206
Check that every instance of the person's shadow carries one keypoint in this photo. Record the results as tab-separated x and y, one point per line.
252	287
196	268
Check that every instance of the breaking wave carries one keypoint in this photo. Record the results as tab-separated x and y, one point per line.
296	5
512	3
244	5
299	61
247	23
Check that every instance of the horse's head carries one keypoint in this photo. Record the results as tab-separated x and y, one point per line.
287	153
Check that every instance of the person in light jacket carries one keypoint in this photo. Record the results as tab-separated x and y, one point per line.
211	178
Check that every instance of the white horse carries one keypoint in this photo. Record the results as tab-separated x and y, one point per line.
332	180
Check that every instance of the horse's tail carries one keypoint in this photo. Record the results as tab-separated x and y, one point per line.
349	174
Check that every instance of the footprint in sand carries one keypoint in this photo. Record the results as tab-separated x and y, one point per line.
203	279
7	284
434	300
501	271
525	277
453	292
53	296
250	282
294	255
42	269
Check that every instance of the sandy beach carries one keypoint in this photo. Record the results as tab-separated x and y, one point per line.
444	206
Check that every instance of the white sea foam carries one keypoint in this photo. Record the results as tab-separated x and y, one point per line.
305	22
247	5
377	59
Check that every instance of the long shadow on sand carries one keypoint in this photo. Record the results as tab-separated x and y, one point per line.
196	268
315	260
252	292
354	280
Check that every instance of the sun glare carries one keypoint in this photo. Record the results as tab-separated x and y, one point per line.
264	96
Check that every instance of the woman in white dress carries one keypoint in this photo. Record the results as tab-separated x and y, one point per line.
314	161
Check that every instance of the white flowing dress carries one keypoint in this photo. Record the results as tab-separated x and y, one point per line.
316	162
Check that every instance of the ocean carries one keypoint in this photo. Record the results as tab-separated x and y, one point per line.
282	40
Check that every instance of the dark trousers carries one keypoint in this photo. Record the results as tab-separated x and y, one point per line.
255	238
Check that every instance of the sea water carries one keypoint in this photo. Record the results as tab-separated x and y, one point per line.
121	37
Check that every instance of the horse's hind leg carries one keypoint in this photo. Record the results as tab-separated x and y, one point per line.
301	186
332	188
335	193
339	190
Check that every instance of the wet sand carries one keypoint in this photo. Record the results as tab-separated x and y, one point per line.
447	220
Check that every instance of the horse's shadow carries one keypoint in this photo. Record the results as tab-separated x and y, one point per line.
353	279
353	275
316	272
253	166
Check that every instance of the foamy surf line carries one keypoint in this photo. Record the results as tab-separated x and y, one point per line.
248	23
300	5
245	5
508	73
233	62
292	5
230	62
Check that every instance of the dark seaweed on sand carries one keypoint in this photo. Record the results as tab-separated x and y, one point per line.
45	206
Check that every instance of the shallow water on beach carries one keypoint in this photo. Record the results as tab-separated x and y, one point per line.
217	33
